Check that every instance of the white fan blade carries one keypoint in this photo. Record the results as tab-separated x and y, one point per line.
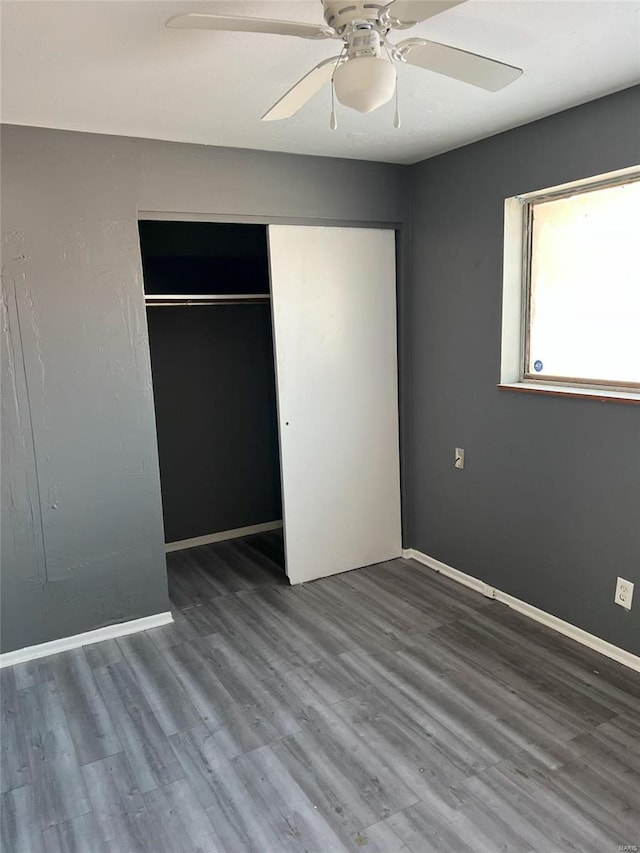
460	64
414	11
195	21
303	90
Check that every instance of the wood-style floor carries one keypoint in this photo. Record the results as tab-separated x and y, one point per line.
384	710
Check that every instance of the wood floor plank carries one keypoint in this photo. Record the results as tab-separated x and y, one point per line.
380	836
324	783
92	730
443	591
519	723
403	615
365	606
253	639
331	680
239	639
255	569
124	822
165	696
592	703
180	823
14	757
178	631
619	737
311	825
492	830
20	824
184	571
306	829
439	598
238	821
437	826
179	593
294	820
597	675
540	830
152	760
214	576
103	654
193	670
607	781
468	702
32	672
363	630
541	694
469	742
222	786
198	621
238	728
78	835
287	635
201	757
348	784
544	806
270	554
57	782
422	765
378	781
303	622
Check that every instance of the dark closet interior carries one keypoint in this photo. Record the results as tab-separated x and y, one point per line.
210	336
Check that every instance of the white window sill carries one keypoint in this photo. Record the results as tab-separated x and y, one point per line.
602	394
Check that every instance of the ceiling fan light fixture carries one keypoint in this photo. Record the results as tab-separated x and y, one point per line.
365	83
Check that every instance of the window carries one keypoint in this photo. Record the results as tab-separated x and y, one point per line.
573	254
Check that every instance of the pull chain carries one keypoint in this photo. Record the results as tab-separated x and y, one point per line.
333	121
396	117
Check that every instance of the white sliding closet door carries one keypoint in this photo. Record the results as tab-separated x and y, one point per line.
334	317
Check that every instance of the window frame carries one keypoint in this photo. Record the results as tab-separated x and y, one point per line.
518	243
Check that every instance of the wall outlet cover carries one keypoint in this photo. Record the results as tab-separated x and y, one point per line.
624	593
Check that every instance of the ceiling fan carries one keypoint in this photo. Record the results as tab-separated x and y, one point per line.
363	73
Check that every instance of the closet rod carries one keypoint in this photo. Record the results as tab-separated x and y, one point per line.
169	300
192	304
212	296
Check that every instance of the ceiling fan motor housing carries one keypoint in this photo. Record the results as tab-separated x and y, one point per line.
340	13
363	42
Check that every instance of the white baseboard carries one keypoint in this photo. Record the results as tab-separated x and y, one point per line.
566	628
121	629
208	538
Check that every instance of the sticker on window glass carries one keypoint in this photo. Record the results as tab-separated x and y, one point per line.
537	366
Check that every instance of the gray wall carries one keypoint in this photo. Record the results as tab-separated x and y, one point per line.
82	541
548	506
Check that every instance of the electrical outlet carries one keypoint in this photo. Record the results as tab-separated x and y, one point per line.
458	457
624	593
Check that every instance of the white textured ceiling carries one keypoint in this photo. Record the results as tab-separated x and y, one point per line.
112	67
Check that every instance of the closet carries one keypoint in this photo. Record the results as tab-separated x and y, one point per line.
210	339
274	361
